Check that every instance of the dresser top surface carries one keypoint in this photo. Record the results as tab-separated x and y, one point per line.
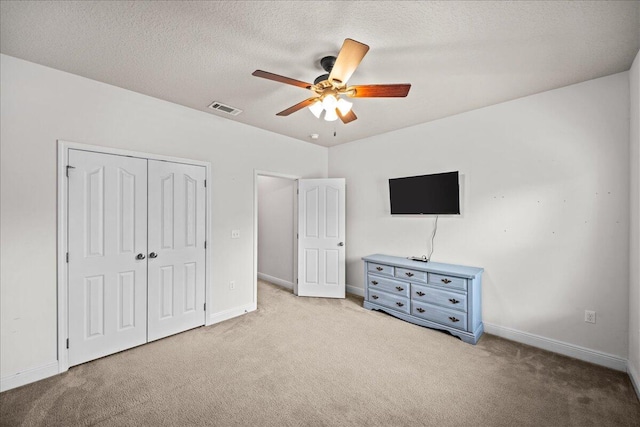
431	267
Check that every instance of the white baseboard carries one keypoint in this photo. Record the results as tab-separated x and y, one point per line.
566	349
635	378
50	369
275	280
29	376
231	313
355	290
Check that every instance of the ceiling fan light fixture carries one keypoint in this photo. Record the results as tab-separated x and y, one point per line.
344	106
316	108
331	115
329	102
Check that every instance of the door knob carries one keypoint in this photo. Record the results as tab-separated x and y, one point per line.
341	244
140	256
153	255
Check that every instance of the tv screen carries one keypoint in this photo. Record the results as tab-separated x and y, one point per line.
425	194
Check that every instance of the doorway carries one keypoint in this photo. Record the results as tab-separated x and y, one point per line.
318	231
276	229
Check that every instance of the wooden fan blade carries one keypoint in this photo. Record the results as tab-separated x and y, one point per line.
379	91
298	106
347	118
282	79
347	61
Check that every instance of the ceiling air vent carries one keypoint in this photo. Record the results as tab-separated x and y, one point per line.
215	105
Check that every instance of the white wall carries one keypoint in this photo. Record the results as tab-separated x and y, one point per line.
545	207
40	105
634	246
276	198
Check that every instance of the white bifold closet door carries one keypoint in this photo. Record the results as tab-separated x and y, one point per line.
176	248
107	254
136	252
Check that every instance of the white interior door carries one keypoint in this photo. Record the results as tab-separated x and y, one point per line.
107	246
321	237
176	248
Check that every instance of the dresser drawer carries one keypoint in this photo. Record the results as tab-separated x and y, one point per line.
387	270
452	318
447	299
395	302
447	281
388	285
412	275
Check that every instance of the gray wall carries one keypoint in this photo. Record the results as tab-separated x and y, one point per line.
546	205
545	209
41	105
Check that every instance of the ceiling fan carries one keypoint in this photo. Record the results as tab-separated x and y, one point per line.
330	87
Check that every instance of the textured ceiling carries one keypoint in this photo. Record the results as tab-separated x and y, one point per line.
458	56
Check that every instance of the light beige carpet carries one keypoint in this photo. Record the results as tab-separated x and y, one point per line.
321	362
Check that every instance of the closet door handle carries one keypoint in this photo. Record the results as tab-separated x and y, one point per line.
153	255
140	256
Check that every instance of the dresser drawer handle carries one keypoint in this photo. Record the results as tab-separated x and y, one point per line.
446	281
374	296
373	282
400	288
409	274
379	268
453	319
399	304
454	301
420	310
420	294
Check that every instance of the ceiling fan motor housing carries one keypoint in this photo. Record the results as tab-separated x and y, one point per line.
327	64
321	78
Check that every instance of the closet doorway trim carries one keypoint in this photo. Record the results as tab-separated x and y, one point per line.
62	233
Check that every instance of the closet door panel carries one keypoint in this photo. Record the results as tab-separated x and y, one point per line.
107	230
176	226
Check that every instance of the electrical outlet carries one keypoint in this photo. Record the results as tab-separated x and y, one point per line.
590	316
235	234
232	284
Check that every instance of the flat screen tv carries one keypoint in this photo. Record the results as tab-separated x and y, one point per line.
425	194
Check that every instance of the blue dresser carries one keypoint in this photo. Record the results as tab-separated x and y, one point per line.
431	294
